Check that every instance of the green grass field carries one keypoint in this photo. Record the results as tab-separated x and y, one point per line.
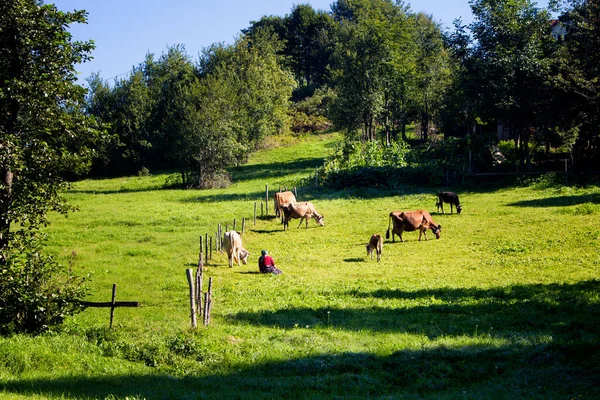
505	305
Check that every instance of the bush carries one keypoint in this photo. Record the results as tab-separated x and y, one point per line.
36	293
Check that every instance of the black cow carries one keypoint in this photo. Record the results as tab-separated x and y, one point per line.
448	197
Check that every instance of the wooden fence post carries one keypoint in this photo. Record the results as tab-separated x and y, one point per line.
206	247
199	276
208	302
243	224
188	273
267	200
234	225
112	302
210	247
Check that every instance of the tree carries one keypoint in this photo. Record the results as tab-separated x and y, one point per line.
241	98
510	64
44	135
432	72
369	61
578	72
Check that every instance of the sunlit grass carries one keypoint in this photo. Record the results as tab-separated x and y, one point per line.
510	293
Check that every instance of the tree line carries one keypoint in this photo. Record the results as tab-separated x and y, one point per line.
371	68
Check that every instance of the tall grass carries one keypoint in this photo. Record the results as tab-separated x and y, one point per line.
505	305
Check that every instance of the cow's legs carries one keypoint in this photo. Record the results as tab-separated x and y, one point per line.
301	222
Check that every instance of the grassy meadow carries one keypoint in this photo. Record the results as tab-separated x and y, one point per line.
505	305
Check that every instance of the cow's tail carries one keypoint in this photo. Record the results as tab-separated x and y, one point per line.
387	234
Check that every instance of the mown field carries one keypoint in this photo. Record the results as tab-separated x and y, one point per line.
505	305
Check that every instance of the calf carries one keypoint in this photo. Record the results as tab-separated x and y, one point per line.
376	242
411	221
448	197
232	244
304	210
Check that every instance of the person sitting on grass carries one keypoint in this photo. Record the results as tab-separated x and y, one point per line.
266	264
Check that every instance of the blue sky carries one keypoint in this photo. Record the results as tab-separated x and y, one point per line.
124	31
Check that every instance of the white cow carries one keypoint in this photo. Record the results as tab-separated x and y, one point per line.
234	248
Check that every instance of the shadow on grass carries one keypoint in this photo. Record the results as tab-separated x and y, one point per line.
275	169
559	201
519	364
568	310
511	371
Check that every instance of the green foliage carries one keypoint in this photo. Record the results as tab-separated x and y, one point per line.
365	164
37	292
45	137
309	114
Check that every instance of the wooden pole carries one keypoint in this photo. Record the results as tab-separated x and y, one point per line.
206	300
206	247
209	301
267	200
112	304
200	258
188	273
220	235
243	224
234	225
295	193
210	247
199	276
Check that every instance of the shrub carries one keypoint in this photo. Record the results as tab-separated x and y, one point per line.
36	293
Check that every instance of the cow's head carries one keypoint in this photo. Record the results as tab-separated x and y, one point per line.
458	209
369	249
436	231
244	256
320	220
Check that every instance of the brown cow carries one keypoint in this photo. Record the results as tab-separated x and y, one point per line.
304	210
448	197
376	242
232	244
411	221
281	199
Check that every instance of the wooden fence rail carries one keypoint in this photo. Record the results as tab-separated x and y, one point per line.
112	304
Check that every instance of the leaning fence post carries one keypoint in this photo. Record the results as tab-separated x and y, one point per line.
188	273
112	306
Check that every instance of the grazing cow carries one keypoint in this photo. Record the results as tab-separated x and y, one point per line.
411	221
282	199
376	242
304	210
234	249
448	197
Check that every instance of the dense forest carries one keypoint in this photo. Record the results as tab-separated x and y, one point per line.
509	91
